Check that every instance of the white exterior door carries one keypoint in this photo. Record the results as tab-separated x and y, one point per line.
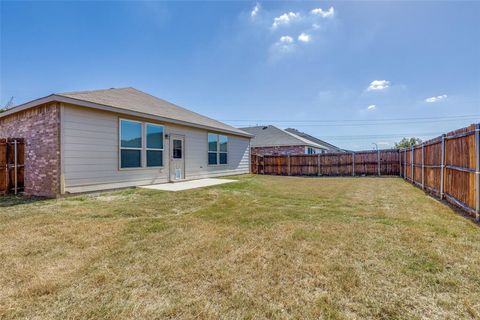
177	157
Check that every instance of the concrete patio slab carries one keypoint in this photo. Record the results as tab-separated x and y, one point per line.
187	185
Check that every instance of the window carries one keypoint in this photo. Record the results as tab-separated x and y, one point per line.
130	144
177	149
132	148
217	149
154	148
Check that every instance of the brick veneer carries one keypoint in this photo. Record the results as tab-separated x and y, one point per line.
40	129
283	150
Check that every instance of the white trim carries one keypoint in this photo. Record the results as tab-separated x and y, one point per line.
87	104
62	148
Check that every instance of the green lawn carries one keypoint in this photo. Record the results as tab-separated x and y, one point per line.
264	247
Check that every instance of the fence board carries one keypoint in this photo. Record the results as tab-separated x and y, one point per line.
12	168
3	167
338	164
460	171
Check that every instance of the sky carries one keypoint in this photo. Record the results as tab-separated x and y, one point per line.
351	73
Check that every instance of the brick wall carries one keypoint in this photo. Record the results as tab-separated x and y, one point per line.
283	150
40	129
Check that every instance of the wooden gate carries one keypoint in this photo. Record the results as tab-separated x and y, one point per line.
12	165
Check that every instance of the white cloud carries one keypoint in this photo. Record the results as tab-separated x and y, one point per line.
286	39
255	10
284	46
285	18
371	107
436	99
377	85
303	37
324	14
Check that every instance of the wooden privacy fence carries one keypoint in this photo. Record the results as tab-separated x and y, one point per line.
12	163
382	162
448	167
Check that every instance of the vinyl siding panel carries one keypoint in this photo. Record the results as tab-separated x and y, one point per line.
90	153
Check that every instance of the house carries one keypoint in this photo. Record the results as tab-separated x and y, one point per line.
329	147
270	140
105	139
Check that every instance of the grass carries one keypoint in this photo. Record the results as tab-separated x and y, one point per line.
264	247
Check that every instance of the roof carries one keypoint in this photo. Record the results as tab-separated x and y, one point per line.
314	139
134	102
271	136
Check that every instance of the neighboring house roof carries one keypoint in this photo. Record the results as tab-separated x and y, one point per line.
133	102
271	136
314	139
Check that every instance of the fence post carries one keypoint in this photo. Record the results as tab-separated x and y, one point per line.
318	165
400	162
378	160
412	158
289	172
405	164
353	164
477	171
442	166
15	161
423	165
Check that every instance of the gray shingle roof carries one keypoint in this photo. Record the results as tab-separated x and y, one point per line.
136	101
314	139
271	136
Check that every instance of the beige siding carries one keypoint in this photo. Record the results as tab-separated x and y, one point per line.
90	153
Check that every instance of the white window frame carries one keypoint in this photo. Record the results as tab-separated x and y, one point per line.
218	152
120	148
143	149
154	149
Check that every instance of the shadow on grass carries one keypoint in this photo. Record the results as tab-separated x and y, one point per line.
10	201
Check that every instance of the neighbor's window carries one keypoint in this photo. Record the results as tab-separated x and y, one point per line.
311	150
217	149
154	150
130	144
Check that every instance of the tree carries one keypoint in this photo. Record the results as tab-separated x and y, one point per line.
407	142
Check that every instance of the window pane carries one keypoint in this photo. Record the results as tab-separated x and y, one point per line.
154	158
177	149
212	158
223	143
154	136
212	142
131	134
130	159
223	158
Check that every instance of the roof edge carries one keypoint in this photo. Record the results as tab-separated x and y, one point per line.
98	106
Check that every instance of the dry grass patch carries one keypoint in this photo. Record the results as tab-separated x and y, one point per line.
265	247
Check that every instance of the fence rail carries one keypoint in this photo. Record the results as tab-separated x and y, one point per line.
12	165
448	167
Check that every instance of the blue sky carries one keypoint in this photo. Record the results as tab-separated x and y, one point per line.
291	64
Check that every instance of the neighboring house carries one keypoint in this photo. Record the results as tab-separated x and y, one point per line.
270	140
104	139
329	147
